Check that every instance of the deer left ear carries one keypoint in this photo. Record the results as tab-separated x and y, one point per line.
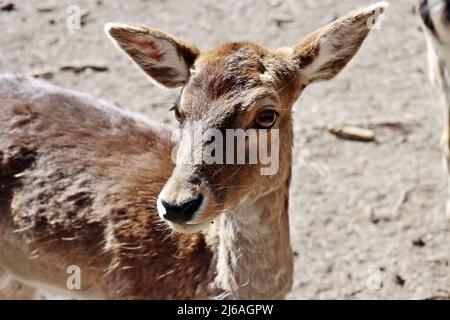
325	52
164	58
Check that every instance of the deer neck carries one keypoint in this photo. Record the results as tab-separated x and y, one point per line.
254	257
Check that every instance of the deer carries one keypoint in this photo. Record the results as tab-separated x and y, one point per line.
88	186
435	22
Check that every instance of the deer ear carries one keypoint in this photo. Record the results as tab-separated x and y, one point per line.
164	58
325	52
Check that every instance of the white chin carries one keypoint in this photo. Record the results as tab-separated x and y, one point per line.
189	228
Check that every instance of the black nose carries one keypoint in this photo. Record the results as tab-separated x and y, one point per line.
182	212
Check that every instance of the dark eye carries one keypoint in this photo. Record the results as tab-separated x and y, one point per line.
178	115
266	118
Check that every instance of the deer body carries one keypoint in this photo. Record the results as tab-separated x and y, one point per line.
435	17
33	214
53	201
86	184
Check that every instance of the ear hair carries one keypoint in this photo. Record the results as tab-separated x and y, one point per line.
164	58
325	52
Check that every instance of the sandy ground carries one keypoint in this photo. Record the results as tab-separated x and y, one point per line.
356	207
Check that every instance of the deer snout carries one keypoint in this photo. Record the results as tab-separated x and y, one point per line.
180	212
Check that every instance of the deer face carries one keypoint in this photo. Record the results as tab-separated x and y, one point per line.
234	110
234	115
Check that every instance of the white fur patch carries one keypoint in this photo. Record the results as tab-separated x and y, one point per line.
375	6
171	59
324	56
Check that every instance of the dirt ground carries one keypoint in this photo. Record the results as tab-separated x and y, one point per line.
356	207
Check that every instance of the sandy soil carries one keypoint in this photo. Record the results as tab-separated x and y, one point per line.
355	206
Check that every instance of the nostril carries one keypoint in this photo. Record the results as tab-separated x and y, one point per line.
182	212
191	206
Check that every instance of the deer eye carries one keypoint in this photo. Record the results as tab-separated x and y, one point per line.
177	112
266	119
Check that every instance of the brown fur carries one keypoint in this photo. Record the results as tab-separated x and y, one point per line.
80	178
69	196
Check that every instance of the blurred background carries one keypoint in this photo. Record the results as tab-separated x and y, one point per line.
367	219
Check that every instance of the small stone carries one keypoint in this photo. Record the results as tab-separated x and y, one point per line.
419	243
8	7
399	280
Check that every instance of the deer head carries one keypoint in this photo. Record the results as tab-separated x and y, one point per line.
239	87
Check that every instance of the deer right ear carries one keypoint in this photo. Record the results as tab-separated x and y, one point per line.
325	52
164	58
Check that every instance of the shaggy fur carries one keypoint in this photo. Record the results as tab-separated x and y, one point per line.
80	178
82	196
